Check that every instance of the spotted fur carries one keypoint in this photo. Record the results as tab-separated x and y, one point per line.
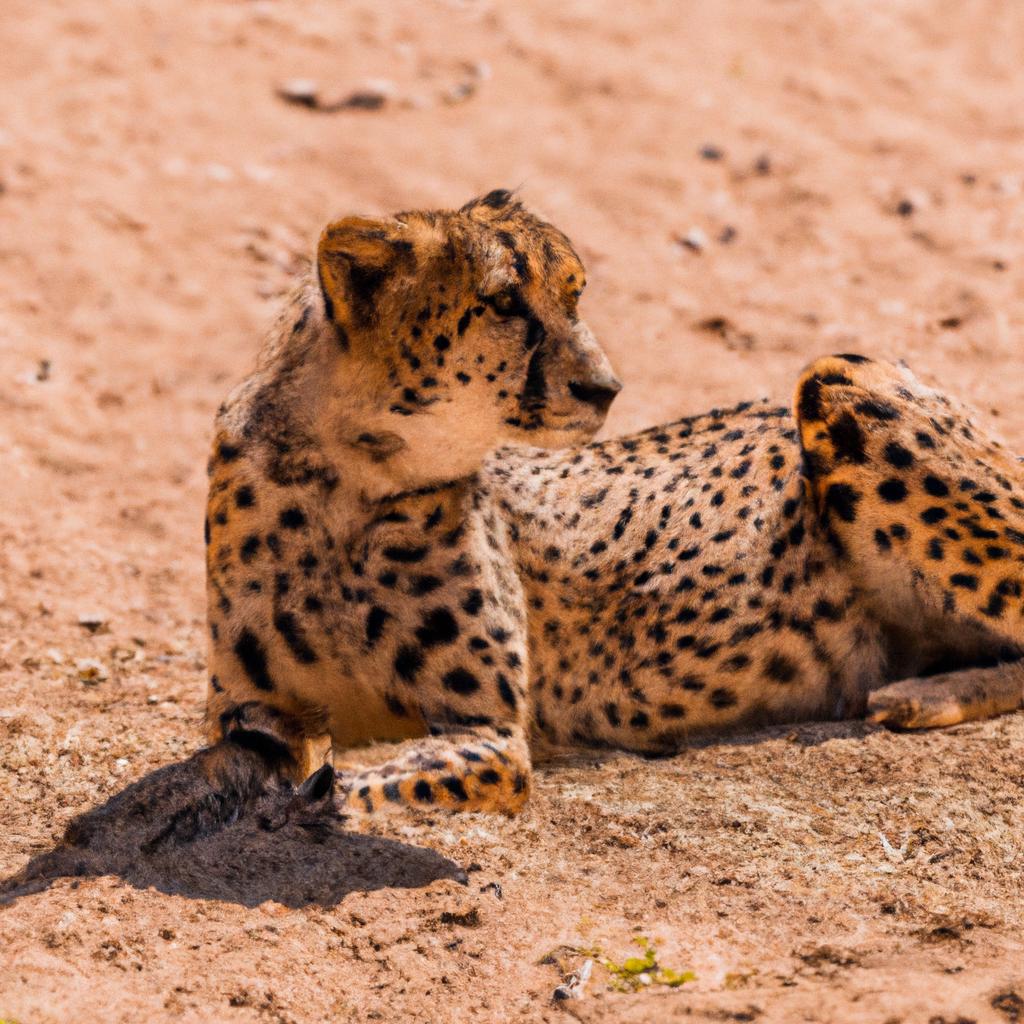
412	537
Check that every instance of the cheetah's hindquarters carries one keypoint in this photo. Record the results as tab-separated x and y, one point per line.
928	511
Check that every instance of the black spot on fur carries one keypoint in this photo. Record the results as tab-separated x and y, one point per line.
843	500
809	407
461	681
508	695
848	438
897	456
780	669
249	548
405	554
408	662
375	619
253	656
878	410
968	581
292	518
892	490
722	698
295	637
439	627
455	787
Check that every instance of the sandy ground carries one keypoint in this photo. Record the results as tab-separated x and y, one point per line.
848	176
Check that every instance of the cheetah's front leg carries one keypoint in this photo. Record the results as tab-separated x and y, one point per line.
483	769
950	698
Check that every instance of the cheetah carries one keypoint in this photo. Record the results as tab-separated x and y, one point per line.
413	537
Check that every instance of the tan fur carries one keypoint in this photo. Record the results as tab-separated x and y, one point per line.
412	539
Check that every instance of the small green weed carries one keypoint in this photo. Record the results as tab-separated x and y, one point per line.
637	972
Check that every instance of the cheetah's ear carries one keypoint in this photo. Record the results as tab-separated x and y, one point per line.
356	258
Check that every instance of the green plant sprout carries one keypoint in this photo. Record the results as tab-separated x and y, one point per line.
637	972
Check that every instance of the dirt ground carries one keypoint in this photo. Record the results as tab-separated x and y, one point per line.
750	185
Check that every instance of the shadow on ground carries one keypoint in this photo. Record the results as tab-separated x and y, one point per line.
308	861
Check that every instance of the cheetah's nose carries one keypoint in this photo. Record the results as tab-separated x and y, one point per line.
598	392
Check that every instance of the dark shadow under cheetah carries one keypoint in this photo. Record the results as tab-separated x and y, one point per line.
284	846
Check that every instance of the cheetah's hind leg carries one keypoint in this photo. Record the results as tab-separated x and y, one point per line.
950	698
927	511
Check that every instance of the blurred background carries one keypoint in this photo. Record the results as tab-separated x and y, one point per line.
749	184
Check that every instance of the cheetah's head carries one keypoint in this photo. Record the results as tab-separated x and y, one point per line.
458	332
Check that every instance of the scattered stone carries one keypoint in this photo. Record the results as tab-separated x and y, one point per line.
1010	1005
459	93
574	984
709	152
303	92
94	622
763	165
476	72
91	671
464	919
727	234
904	208
362	100
43	370
724	328
695	240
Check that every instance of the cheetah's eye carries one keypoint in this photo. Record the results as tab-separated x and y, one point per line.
505	303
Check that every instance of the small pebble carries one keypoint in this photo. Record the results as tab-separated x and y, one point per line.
763	164
90	671
904	207
302	91
695	240
710	153
365	99
459	93
94	622
727	234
